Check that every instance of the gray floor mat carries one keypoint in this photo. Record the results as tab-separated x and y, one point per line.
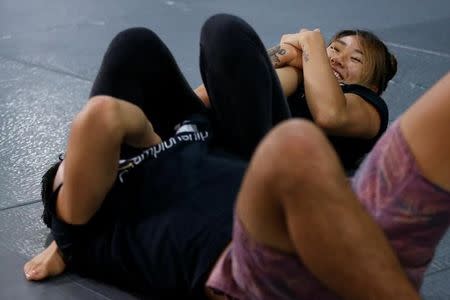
50	51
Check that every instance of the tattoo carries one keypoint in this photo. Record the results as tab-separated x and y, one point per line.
305	57
274	52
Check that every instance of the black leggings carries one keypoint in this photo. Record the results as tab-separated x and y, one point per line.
245	94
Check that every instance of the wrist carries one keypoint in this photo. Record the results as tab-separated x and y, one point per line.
278	55
292	56
311	40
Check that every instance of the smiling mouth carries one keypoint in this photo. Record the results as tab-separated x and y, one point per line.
338	76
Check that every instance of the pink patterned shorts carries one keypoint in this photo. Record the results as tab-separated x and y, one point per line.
413	212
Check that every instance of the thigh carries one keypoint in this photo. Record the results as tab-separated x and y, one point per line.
244	90
426	128
413	212
303	204
294	180
262	272
138	68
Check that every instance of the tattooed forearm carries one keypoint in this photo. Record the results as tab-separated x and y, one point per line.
305	57
274	54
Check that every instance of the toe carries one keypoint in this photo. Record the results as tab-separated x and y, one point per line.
27	269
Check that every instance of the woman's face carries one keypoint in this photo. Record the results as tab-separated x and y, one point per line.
347	59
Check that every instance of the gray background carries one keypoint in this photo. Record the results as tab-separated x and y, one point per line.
50	51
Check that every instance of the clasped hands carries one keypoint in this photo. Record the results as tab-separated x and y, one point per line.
294	45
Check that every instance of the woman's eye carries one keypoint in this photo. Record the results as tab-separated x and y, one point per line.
334	48
356	59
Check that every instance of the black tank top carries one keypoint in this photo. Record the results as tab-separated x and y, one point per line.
351	150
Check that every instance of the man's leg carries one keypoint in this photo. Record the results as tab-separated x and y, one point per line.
97	133
139	68
295	198
90	166
243	87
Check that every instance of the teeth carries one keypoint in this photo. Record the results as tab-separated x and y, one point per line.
338	76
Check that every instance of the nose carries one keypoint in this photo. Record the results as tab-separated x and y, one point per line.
336	59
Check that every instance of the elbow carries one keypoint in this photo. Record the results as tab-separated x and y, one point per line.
329	120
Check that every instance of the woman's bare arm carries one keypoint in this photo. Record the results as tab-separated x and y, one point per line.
284	54
201	93
335	112
290	78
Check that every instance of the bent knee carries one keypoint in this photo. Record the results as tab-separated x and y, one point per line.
297	139
134	46
226	30
295	149
223	21
133	36
101	113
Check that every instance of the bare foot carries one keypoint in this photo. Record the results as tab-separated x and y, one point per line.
46	264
